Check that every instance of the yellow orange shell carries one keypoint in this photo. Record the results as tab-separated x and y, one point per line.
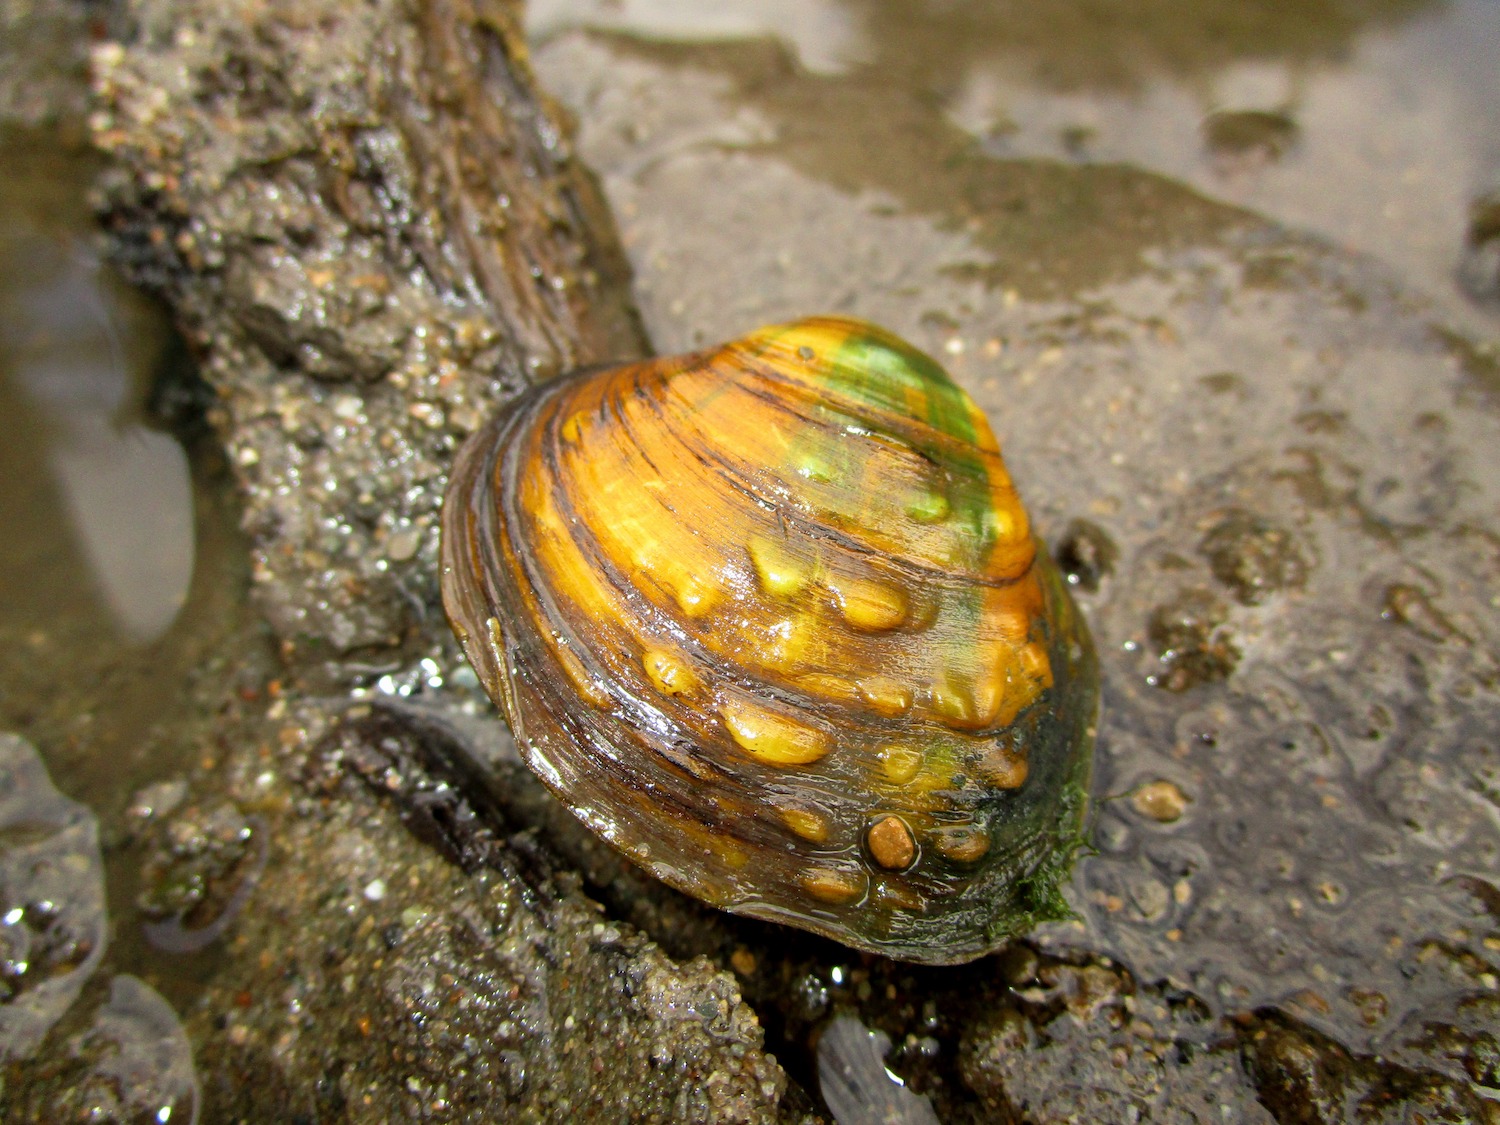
770	618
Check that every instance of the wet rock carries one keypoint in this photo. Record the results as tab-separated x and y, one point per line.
1192	642
1479	265
1254	557
1303	1078
328	318
1085	1045
1259	135
53	928
1470	1048
992	1043
506	988
156	801
1018	965
1086	554
334	273
200	871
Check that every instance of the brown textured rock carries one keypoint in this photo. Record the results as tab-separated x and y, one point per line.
1253	557
1304	1078
1192	641
370	228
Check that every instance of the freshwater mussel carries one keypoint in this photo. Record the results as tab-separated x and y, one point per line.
771	620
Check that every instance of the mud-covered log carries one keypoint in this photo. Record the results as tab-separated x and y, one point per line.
367	223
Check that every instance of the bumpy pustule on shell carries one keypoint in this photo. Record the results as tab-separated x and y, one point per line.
771	620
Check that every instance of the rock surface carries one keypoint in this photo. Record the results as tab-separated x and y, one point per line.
369	230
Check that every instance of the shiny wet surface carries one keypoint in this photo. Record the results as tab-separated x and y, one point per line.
123	568
1375	130
115	561
1068	212
1202	273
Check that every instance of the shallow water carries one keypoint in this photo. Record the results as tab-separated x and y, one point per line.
123	566
78	360
1374	129
118	568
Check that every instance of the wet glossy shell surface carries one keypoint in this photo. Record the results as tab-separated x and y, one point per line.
771	620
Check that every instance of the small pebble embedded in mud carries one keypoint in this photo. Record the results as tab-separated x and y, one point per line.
1086	554
1250	135
1254	557
1162	801
1479	265
1192	642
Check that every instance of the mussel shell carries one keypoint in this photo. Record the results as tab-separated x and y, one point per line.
770	619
